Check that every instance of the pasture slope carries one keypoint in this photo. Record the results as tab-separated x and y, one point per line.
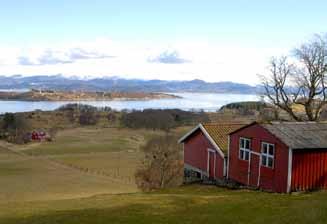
188	204
80	162
86	176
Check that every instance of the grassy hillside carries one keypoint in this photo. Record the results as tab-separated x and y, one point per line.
25	178
90	140
80	162
86	176
190	204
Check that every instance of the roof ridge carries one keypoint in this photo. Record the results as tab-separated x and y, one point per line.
218	123
293	122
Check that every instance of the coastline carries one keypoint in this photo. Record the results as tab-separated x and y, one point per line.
52	96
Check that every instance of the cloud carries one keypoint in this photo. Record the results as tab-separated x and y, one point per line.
52	57
102	57
81	54
168	57
22	60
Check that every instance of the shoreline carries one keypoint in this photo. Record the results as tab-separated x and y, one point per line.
52	96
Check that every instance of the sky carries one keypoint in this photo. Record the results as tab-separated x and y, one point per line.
212	40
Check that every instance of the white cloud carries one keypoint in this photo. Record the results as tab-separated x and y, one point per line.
168	57
54	57
175	61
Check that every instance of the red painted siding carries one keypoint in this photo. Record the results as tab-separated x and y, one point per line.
274	179
309	169
196	154
212	164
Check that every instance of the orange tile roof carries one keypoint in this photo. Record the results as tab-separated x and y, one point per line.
219	132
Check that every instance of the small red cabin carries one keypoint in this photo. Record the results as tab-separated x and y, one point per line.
279	156
205	150
38	135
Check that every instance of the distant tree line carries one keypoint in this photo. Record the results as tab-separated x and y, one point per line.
155	119
86	114
248	105
77	106
158	119
263	111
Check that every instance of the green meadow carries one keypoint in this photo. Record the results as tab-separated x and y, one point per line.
86	176
188	204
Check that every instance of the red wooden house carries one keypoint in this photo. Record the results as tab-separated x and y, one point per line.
279	157
205	149
38	136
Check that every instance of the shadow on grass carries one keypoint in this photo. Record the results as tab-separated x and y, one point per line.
190	205
138	213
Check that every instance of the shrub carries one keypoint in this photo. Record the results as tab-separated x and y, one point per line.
162	166
88	116
15	126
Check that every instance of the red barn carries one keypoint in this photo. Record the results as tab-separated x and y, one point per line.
205	149
279	156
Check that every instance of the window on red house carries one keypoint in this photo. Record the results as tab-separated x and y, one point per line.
244	152
267	154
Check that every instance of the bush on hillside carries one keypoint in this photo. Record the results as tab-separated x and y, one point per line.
162	166
14	127
88	115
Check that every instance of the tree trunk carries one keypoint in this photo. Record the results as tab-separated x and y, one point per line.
309	112
162	181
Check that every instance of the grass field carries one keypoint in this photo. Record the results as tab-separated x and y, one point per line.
80	162
24	178
190	204
86	176
91	140
118	165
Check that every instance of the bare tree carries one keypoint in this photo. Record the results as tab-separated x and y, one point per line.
162	166
300	82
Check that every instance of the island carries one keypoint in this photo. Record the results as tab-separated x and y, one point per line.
52	95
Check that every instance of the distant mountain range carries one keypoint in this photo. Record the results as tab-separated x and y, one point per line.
59	82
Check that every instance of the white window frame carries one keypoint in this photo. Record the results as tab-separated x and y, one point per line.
245	150
267	155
